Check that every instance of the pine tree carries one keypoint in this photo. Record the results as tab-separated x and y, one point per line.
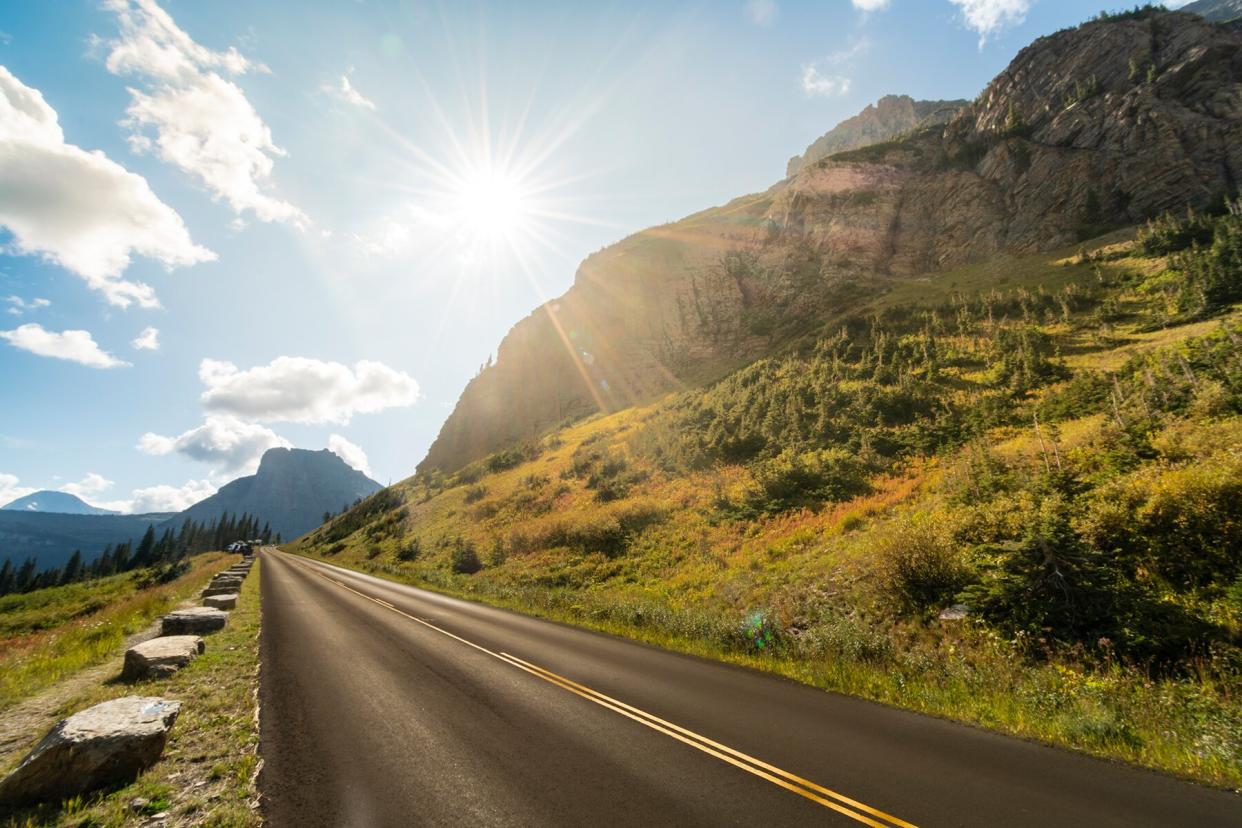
73	570
146	547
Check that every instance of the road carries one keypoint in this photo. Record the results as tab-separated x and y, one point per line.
385	705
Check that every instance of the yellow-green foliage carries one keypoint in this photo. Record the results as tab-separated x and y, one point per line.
77	628
206	776
1037	437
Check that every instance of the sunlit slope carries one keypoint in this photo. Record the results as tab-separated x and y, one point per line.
1089	129
1051	440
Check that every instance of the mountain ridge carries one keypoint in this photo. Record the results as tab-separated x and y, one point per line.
290	491
1087	129
48	500
889	117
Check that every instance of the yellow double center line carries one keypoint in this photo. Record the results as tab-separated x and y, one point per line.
802	787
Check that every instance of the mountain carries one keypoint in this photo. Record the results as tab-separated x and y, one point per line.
51	537
1215	10
58	502
888	118
1088	129
290	491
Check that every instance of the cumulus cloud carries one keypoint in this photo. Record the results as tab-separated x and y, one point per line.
870	5
10	489
79	209
230	444
75	346
301	390
345	92
989	17
761	12
90	486
164	498
190	115
148	340
18	305
351	453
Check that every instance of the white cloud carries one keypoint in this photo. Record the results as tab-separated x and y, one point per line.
79	209
351	453
870	5
201	122
989	17
230	444
818	79
148	340
18	305
761	12
164	498
90	486
815	82
346	92
75	346
301	390
10	490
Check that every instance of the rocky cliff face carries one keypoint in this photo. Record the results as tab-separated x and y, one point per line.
1216	10
1088	129
290	491
887	118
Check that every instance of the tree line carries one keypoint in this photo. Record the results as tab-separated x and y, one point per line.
164	554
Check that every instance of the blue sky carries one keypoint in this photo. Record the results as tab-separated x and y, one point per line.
330	212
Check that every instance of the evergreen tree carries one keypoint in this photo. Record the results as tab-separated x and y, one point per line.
146	547
73	570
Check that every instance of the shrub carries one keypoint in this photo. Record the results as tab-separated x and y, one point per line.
465	559
918	565
410	550
792	480
475	493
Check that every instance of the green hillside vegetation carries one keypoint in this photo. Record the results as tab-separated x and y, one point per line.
51	633
1053	442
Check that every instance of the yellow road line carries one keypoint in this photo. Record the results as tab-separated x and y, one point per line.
791	782
806	783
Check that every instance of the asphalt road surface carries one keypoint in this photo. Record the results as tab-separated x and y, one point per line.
391	706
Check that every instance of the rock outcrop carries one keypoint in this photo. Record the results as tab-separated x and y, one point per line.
108	744
1088	129
291	490
193	621
890	117
160	657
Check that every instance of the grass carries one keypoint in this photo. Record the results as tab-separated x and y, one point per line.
682	555
52	633
969	676
206	776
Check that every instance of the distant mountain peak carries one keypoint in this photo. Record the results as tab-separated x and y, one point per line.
290	491
57	502
884	120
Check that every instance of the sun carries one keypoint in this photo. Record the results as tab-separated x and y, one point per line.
492	203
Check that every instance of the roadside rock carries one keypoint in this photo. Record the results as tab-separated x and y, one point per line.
107	744
224	589
193	621
160	657
224	601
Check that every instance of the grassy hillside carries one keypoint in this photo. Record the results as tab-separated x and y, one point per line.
51	633
1052	442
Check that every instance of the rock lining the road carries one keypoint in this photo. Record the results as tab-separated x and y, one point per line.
193	621
108	744
224	601
160	657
